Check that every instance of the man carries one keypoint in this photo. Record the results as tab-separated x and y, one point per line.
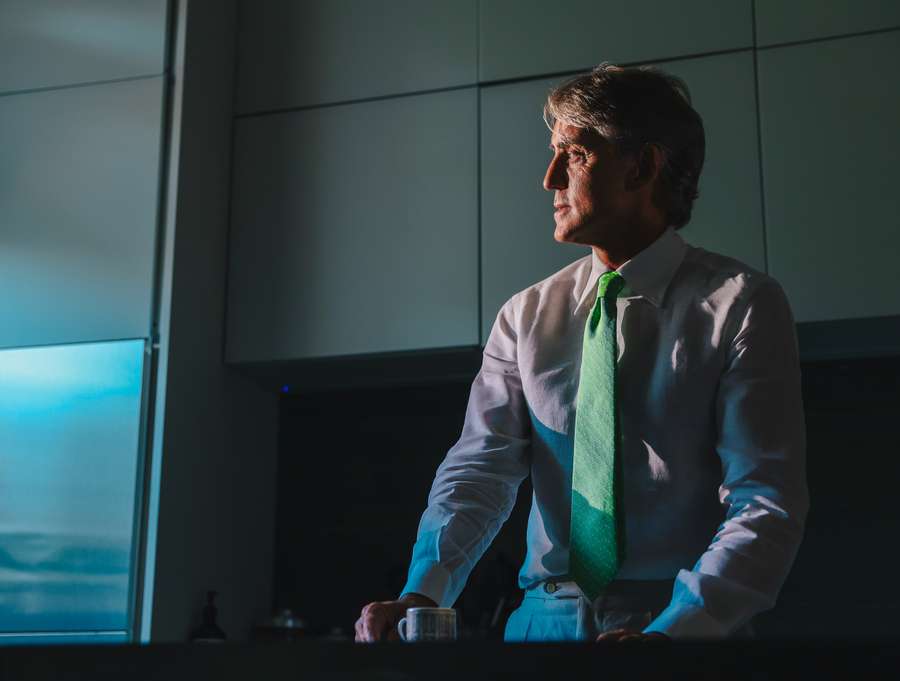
650	389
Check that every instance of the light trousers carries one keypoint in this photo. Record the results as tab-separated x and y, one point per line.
559	610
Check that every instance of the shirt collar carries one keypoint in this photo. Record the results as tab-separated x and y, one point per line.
647	274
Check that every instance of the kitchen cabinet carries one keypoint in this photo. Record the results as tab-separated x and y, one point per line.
354	229
830	149
781	22
530	38
301	53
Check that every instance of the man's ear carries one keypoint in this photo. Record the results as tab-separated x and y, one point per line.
645	166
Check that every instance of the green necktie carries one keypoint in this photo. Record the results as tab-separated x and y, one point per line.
596	536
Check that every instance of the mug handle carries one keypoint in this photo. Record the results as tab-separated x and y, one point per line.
401	628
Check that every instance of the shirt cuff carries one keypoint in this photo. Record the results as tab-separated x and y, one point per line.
686	621
428	578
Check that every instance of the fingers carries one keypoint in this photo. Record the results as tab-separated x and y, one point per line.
626	638
372	623
630	636
614	635
357	628
366	626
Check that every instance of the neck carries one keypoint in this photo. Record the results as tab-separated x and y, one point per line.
634	241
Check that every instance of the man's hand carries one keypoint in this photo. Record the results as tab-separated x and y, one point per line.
632	635
378	621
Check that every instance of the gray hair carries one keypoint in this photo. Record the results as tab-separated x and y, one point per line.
634	106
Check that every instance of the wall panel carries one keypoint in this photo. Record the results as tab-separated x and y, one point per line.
781	22
830	150
727	215
530	37
354	229
298	53
47	43
78	190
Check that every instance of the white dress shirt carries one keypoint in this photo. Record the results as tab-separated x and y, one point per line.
713	436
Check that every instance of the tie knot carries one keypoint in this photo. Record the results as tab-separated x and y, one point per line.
611	283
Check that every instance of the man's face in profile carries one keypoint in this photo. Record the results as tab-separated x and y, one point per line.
588	181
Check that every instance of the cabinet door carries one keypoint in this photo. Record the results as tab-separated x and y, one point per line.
532	37
79	174
778	21
354	229
304	52
727	215
830	150
518	248
47	43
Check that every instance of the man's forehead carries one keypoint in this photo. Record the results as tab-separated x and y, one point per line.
564	134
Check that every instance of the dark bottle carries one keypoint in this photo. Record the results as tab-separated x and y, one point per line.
208	631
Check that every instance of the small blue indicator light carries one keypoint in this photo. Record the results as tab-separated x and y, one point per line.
285	388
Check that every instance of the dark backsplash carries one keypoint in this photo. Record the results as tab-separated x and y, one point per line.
355	468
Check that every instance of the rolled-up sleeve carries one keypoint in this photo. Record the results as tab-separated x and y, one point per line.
761	441
475	486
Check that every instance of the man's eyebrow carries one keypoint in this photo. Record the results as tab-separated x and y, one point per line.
563	142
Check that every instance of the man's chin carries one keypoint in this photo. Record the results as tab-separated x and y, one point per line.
564	236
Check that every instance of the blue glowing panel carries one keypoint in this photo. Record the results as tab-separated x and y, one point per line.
69	442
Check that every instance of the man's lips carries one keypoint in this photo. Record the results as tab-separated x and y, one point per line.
560	208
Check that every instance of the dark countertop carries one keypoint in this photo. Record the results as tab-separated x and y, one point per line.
463	660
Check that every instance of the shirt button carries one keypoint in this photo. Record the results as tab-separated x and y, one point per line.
550	587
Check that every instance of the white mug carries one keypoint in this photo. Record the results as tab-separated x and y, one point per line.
428	624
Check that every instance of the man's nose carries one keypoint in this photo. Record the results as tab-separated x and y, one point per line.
555	177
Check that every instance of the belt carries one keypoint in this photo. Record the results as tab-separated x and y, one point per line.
621	594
